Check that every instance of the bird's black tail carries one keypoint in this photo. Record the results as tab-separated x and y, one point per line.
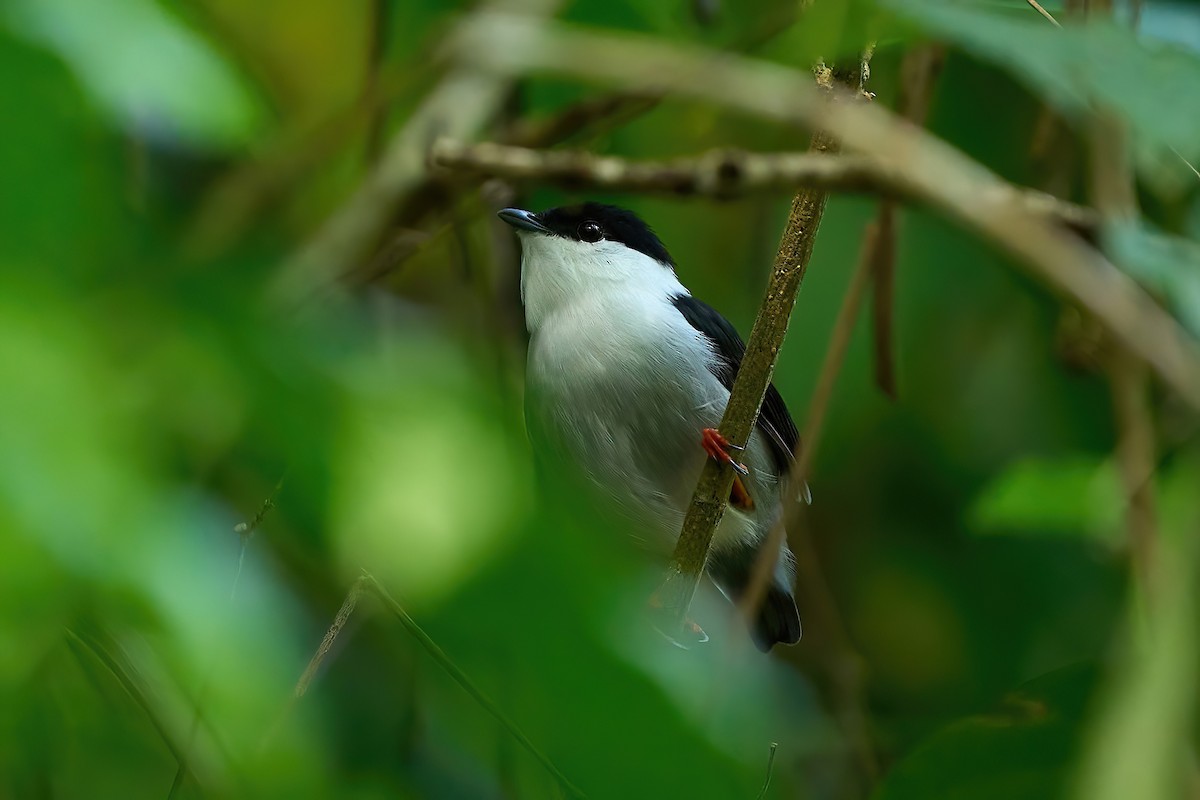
778	619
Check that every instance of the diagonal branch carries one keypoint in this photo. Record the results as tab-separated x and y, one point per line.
721	173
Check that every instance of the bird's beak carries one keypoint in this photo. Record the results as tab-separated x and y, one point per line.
522	220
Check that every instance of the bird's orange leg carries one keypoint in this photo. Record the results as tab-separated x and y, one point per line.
717	446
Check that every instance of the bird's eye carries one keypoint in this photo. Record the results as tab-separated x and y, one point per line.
590	231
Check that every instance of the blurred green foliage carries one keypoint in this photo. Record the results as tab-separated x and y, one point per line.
161	160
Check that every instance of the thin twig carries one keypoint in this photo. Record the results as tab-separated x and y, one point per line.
246	530
927	167
339	622
466	683
1038	8
762	793
367	582
1136	456
835	356
1189	164
918	77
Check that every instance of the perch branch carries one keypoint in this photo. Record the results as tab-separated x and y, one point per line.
722	173
708	503
923	165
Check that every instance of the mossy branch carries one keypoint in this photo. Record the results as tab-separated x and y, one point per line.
708	504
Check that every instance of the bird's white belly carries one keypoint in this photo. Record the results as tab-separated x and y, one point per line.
629	409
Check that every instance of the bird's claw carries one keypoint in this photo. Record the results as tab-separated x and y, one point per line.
717	446
683	637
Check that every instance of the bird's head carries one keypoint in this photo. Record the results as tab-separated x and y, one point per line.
577	252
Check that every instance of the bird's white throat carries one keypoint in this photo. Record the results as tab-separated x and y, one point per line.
557	273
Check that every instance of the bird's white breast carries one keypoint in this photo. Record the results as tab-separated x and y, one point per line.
622	381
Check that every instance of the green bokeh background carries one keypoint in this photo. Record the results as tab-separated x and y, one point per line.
162	160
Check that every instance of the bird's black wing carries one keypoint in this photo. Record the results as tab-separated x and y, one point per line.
774	421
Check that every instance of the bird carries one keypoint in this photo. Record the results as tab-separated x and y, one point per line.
628	376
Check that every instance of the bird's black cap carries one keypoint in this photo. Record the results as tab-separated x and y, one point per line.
616	225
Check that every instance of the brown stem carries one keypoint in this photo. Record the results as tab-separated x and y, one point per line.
839	659
465	99
918	76
883	298
722	173
1136	457
707	508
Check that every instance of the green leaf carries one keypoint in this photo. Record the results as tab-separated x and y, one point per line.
1081	68
145	68
1136	743
1025	749
1069	496
1168	265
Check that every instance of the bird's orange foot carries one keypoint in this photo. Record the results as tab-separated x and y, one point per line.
717	446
